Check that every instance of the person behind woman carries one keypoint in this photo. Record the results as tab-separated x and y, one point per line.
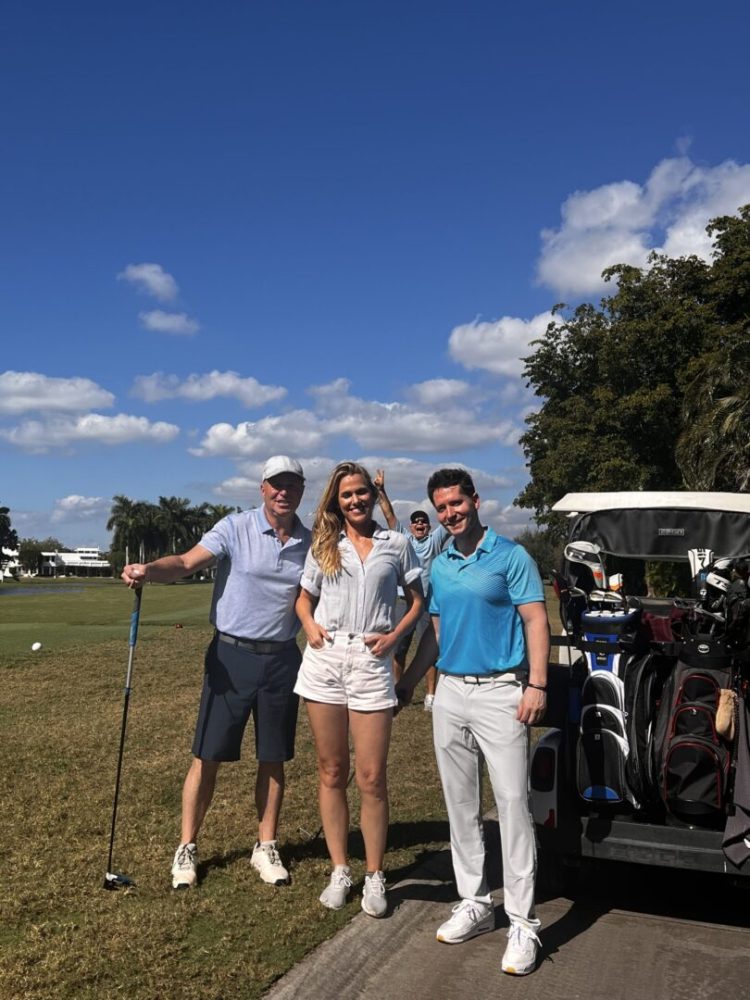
347	609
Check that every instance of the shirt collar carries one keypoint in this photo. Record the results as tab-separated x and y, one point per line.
379	532
487	544
267	528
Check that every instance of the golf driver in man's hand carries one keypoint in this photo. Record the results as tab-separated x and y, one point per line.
252	661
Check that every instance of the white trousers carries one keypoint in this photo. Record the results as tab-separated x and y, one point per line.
473	723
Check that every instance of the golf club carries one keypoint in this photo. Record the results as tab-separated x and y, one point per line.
588	554
116	880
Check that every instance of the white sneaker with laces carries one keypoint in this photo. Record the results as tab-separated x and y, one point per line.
520	955
335	893
267	863
429	700
469	919
373	896
185	867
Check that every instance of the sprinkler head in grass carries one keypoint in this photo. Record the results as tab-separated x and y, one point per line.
117	881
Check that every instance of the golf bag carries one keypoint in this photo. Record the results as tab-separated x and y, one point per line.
643	681
690	758
603	749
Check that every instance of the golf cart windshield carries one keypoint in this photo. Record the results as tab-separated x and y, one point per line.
656	526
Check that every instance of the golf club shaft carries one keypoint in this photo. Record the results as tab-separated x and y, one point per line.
131	650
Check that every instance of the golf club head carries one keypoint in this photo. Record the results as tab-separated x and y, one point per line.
114	881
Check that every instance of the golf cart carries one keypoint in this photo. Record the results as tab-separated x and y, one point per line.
635	765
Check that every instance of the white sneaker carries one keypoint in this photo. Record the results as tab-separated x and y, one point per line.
520	955
267	863
469	919
373	897
335	893
428	702
185	867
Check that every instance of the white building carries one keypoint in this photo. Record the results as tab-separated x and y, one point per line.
79	562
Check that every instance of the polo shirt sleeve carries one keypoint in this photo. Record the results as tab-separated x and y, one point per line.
218	540
434	607
312	575
524	582
411	568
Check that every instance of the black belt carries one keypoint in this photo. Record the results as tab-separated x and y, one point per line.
256	645
488	678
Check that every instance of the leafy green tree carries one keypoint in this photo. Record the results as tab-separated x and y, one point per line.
650	390
8	537
544	548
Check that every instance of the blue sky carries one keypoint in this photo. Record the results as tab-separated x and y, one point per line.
328	229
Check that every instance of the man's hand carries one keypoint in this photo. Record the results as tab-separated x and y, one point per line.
532	707
134	575
404	693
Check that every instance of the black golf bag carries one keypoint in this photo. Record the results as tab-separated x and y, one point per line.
690	758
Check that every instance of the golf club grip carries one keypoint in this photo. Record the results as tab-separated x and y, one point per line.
134	618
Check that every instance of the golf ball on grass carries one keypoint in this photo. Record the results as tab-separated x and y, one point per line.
36	646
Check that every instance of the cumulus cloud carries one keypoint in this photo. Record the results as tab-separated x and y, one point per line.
24	392
439	390
80	509
176	324
293	433
622	222
497	346
199	388
151	279
40	436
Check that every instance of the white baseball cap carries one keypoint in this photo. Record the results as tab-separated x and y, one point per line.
281	463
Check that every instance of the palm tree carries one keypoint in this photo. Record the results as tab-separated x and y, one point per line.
124	520
174	517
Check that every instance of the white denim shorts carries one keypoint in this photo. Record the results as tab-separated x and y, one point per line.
345	672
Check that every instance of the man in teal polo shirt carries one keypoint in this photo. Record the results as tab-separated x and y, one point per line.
490	625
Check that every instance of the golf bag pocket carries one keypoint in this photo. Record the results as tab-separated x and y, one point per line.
695	780
603	632
642	684
602	750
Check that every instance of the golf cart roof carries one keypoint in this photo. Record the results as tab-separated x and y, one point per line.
581	503
660	525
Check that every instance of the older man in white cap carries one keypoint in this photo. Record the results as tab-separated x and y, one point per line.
252	661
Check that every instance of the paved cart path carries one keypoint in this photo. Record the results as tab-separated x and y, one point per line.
629	933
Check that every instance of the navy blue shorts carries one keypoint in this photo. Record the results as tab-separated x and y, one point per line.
238	682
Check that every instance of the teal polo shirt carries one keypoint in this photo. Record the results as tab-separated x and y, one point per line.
481	631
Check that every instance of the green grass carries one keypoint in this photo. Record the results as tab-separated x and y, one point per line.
67	613
61	935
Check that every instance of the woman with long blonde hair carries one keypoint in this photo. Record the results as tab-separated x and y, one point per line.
347	609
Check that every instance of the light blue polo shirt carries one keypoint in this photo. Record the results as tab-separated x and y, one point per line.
476	598
256	576
426	549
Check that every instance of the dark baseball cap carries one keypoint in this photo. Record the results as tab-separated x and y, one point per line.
419	515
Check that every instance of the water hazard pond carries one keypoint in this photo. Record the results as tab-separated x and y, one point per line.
39	591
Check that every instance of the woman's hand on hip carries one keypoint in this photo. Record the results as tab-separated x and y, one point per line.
316	635
379	643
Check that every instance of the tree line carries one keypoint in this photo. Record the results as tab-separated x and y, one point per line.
142	531
649	390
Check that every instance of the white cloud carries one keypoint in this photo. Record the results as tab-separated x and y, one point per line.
23	392
439	390
151	279
199	388
497	346
80	509
293	433
623	221
63	432
176	324
504	518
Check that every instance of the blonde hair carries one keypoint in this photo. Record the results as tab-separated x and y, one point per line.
329	520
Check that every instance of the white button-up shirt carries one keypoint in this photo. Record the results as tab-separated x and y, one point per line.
361	598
